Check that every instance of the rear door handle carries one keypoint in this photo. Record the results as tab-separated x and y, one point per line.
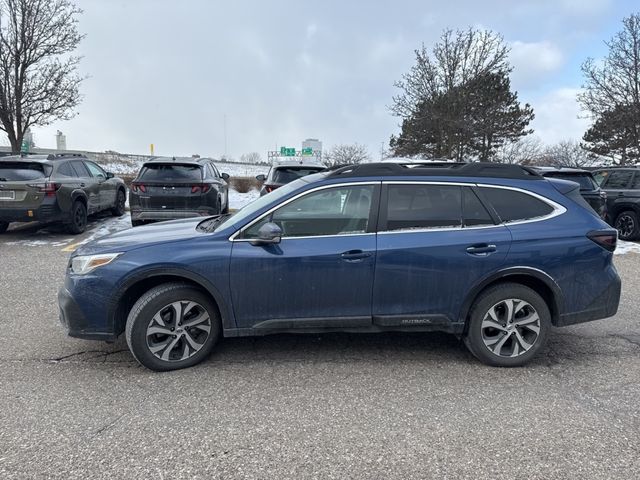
355	255
621	194
481	250
82	184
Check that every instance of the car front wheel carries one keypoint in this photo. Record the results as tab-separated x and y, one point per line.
118	208
509	323
172	326
4	226
628	225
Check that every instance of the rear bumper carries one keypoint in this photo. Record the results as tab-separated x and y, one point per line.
603	306
74	321
44	213
159	215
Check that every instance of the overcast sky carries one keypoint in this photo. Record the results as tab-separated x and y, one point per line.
167	71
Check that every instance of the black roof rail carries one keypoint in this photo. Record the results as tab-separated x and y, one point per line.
59	156
458	169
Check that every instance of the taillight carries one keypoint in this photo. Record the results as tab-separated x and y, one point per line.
49	188
606	239
138	187
270	188
201	187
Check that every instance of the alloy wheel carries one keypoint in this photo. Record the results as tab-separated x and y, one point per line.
625	225
510	327
178	331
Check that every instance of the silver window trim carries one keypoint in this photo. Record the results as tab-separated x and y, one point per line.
233	236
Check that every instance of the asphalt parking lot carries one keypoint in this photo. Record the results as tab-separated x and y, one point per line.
317	406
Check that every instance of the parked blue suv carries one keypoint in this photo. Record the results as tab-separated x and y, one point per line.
495	254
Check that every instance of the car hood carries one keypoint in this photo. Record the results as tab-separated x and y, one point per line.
137	237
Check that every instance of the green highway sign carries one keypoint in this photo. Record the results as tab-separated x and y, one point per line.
24	148
307	151
287	152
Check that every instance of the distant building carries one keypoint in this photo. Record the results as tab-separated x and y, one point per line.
61	141
312	143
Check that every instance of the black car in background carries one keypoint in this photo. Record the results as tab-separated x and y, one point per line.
173	188
622	185
286	172
61	188
589	188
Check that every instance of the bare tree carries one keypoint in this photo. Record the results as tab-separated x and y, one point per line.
612	95
253	158
568	154
526	151
345	154
38	79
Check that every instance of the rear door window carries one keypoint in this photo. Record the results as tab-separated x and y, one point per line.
80	169
22	171
65	170
513	206
171	173
619	179
411	207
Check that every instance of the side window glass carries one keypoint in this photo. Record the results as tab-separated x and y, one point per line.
65	170
512	205
80	169
95	170
473	212
332	211
216	174
619	179
600	177
423	206
635	184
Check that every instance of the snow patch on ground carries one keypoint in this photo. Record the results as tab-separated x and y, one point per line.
626	247
238	200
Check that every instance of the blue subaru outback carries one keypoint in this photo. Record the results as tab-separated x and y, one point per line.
495	254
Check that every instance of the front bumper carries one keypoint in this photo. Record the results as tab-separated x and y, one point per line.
75	322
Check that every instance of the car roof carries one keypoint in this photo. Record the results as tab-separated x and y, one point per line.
41	158
455	169
178	160
544	170
298	165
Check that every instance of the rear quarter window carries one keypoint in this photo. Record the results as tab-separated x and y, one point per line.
513	206
22	171
171	173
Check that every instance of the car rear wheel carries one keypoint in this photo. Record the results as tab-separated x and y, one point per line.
172	326
4	226
509	323
627	225
78	218
118	208
136	223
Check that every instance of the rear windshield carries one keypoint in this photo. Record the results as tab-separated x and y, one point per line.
585	180
171	173
289	174
20	171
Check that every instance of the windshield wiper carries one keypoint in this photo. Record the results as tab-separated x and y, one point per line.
210	224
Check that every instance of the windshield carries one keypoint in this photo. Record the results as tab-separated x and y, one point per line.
171	173
289	174
251	208
21	171
585	180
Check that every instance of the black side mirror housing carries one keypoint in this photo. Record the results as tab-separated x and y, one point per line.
268	234
225	176
261	178
110	175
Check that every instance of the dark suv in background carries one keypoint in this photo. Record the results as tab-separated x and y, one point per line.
286	172
56	188
622	185
173	188
589	188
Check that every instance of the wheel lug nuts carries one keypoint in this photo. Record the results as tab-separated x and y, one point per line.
173	336
172	329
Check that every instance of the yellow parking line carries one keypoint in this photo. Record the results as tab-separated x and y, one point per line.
72	247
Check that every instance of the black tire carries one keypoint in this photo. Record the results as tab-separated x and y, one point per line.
4	226
151	305
225	210
495	298
628	225
78	218
118	208
136	223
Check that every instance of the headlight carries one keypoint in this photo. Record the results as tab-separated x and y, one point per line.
86	263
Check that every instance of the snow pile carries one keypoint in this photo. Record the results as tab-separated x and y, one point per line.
238	200
627	247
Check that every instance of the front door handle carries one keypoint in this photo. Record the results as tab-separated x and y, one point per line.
355	255
82	184
621	194
481	250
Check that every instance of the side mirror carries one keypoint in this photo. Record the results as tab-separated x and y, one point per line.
110	175
268	234
261	178
225	176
